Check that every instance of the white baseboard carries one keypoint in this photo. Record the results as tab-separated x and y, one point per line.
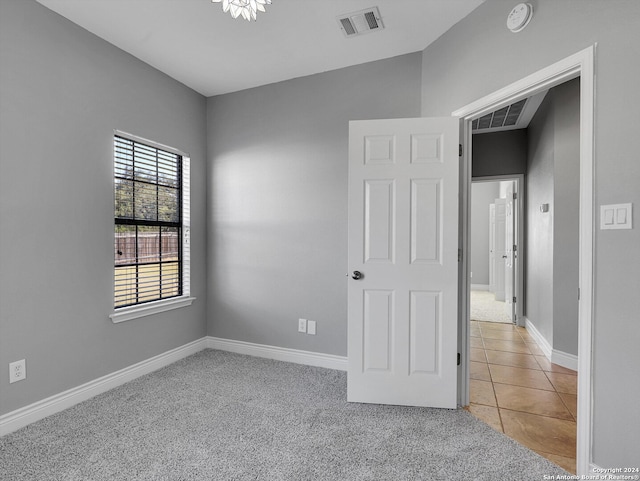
24	416
59	402
570	361
329	361
480	287
539	338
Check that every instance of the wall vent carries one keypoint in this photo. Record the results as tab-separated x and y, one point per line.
358	23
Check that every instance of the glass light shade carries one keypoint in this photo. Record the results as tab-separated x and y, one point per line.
248	9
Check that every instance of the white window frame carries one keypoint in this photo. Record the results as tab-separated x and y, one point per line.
128	313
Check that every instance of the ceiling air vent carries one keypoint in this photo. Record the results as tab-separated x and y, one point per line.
512	117
363	21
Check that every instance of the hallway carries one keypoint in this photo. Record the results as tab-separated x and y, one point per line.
515	389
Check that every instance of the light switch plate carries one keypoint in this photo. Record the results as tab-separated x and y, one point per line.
616	216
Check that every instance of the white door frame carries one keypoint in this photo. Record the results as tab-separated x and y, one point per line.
519	233
580	65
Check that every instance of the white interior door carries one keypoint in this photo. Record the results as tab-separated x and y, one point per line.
403	262
492	247
509	262
499	251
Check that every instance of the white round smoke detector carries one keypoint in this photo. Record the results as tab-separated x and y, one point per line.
519	17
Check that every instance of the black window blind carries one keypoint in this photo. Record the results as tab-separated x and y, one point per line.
148	223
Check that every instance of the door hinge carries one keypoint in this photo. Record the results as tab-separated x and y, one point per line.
515	248
459	255
458	359
515	196
459	150
514	300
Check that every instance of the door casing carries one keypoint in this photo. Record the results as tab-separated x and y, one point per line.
580	65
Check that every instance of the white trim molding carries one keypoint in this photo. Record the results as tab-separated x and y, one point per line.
564	359
155	307
561	358
329	361
24	416
59	402
541	341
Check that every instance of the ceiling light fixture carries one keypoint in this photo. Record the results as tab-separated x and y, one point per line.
247	8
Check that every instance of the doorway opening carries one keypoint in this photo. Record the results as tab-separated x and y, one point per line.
514	387
495	273
579	65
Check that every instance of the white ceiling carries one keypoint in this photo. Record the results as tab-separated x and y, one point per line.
194	42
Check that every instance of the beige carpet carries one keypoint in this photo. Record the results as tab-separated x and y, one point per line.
484	307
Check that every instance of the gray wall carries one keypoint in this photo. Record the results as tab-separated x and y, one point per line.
479	56
278	200
566	215
539	225
63	92
482	195
552	263
499	153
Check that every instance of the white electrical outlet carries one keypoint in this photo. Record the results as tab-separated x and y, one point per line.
17	371
302	325
311	327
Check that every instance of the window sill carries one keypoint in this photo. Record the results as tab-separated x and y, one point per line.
133	312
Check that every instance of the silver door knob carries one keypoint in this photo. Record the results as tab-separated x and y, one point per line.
356	275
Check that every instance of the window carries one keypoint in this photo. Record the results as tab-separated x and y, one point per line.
151	222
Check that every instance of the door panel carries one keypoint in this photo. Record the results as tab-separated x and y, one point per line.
492	247
425	320
426	217
378	330
403	238
509	269
500	253
379	212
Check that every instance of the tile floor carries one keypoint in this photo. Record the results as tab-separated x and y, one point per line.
516	390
